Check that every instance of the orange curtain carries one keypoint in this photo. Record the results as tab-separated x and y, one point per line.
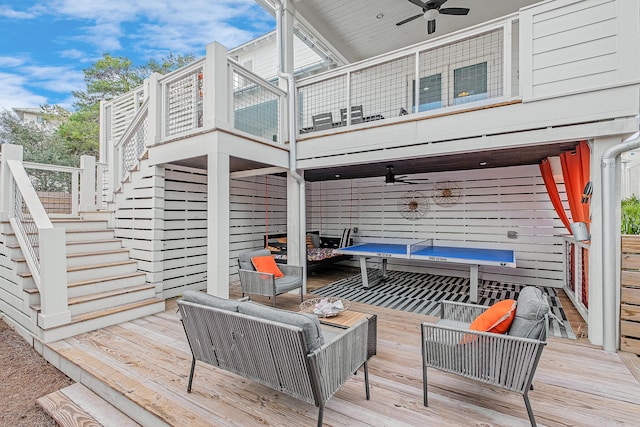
552	189
576	172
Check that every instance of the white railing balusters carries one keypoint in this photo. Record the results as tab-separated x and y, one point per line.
576	274
43	245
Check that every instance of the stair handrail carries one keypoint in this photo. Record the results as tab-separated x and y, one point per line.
132	143
42	245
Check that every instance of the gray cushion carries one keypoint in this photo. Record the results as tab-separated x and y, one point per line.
531	313
244	260
210	300
309	323
287	283
315	239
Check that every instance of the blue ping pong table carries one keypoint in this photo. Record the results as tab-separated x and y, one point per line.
425	250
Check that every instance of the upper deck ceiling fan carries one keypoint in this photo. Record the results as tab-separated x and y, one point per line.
430	10
390	178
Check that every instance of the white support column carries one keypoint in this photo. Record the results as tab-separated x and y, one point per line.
287	60
53	278
295	241
217	101
88	194
218	224
9	152
596	282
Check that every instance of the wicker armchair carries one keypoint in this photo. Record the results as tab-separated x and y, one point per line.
253	282
504	361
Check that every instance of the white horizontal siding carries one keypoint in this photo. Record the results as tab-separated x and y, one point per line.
570	46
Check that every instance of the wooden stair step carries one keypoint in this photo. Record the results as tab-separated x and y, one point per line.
113	310
106	294
78	406
105	279
82	254
88	267
100	295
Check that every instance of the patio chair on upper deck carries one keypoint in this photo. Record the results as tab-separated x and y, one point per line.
322	121
357	115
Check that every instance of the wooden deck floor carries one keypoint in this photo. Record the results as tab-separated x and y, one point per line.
147	361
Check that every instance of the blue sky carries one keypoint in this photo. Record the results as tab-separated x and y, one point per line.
45	45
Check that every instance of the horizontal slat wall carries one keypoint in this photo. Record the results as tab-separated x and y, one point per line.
630	295
184	243
258	204
493	202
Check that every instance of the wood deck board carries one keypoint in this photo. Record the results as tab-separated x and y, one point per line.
148	360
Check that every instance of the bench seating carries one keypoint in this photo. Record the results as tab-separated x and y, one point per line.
283	350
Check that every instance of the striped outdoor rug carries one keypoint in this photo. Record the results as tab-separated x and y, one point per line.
421	293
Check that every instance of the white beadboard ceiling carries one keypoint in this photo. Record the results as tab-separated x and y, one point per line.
352	31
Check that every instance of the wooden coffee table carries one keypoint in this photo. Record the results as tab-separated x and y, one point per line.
348	318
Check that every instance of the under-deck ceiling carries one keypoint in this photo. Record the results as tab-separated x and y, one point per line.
360	29
494	159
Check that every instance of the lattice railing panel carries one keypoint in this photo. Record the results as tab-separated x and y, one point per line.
184	98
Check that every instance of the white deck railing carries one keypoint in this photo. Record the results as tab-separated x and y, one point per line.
475	65
57	187
182	99
42	245
576	274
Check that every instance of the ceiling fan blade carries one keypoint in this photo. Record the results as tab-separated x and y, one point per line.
409	19
431	26
418	3
454	11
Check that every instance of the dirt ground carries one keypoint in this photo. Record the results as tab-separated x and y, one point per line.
25	377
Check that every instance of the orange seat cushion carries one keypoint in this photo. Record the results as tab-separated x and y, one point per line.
497	318
266	264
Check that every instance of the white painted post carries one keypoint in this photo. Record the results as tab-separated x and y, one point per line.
218	224
88	194
155	116
75	194
217	101
9	152
53	278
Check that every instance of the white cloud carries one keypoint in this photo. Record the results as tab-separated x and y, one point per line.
55	79
14	93
10	61
162	25
8	12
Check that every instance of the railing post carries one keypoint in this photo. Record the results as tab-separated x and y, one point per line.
88	195
217	102
9	152
154	115
53	277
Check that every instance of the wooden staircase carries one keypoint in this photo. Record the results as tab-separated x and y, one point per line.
104	284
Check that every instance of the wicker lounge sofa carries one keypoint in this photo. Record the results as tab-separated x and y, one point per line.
284	350
507	361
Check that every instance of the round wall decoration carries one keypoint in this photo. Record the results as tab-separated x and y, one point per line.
413	205
446	193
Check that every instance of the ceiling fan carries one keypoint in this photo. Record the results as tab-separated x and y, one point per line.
390	178
430	10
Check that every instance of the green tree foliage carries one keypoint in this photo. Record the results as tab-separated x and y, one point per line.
631	216
107	78
40	142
